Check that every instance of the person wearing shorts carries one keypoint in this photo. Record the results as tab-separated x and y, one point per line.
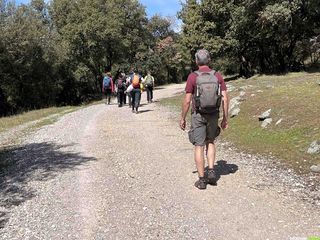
204	127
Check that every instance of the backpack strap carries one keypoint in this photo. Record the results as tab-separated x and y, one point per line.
198	73
213	72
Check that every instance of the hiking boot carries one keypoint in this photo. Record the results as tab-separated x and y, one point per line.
211	177
133	111
201	184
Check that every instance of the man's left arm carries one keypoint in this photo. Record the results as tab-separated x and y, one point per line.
225	109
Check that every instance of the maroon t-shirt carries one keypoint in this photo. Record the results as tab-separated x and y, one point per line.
192	79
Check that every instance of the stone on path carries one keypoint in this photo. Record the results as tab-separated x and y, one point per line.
230	88
265	115
235	112
279	121
315	168
266	122
314	147
234	103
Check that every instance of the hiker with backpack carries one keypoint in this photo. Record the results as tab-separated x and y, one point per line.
121	86
206	90
107	86
148	82
135	80
128	93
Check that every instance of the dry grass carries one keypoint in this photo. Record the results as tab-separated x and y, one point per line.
13	121
295	98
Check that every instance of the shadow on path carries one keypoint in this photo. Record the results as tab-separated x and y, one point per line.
145	111
32	162
224	168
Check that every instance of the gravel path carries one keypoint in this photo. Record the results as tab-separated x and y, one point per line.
106	173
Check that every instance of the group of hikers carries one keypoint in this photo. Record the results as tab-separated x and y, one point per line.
205	92
128	86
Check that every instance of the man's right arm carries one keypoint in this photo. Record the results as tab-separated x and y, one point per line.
185	109
187	99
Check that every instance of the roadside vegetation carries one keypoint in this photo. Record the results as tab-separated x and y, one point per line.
7	123
53	53
294	98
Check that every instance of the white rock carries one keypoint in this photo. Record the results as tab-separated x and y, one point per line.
242	93
265	115
234	102
315	168
235	112
314	147
279	121
230	88
266	122
234	105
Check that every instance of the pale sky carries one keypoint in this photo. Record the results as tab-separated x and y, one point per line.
163	7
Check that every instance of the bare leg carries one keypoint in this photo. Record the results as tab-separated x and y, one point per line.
199	159
211	154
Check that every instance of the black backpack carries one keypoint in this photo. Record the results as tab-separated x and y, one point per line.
121	84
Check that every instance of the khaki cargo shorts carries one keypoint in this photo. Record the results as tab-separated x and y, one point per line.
204	128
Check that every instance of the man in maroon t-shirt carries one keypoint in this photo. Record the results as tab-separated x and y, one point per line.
204	126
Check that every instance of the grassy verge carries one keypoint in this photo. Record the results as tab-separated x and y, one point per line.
13	121
40	115
294	98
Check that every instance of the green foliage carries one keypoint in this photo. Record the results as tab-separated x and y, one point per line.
26	56
262	36
55	54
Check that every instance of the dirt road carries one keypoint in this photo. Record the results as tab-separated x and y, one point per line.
106	173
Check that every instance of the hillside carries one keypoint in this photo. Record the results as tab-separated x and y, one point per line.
294	103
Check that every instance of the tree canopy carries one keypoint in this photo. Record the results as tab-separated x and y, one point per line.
55	54
255	36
